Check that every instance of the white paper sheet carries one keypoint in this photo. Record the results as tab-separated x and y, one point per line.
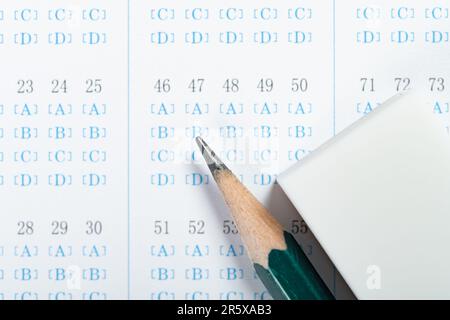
103	191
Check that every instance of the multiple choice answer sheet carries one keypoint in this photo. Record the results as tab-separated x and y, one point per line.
104	194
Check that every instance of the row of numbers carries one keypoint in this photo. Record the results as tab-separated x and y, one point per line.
58	86
161	227
265	85
403	83
58	227
231	85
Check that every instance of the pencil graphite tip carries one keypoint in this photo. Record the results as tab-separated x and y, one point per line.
212	160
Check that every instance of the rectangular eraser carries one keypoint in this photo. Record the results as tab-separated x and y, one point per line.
377	198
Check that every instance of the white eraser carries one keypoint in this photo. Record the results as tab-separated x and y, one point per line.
377	198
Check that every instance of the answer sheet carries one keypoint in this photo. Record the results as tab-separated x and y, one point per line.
104	194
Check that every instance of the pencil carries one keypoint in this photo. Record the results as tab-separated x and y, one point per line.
278	259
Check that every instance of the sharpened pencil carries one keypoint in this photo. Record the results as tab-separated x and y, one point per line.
278	259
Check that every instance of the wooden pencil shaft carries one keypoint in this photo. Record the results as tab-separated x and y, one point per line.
278	259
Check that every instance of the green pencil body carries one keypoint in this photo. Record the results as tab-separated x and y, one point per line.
290	275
